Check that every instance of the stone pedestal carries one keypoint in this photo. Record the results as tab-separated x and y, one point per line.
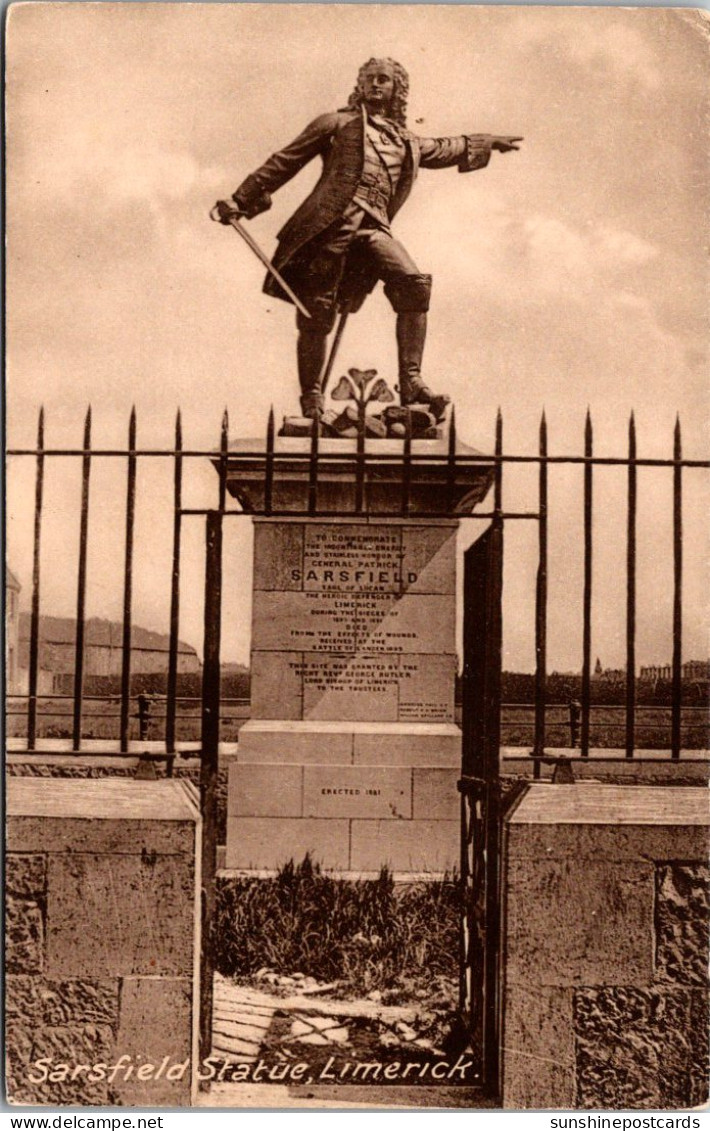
353	668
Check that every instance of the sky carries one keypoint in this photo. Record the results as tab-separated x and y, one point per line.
570	275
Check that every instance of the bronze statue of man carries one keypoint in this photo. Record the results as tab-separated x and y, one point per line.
337	245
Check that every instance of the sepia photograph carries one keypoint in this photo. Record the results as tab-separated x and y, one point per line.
356	578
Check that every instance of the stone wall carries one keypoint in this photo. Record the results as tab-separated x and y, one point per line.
101	942
435	799
607	945
96	767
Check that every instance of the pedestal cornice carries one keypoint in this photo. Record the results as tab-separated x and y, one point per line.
290	478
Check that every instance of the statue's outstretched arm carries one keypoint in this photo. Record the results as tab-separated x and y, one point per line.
254	194
467	151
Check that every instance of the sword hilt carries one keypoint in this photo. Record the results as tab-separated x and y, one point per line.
224	217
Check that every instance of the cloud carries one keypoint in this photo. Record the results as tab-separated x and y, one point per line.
619	48
559	254
119	173
538	255
154	176
607	47
622	247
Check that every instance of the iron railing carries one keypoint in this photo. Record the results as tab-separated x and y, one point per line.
363	459
607	721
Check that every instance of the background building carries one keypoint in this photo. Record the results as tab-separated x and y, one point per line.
691	670
102	650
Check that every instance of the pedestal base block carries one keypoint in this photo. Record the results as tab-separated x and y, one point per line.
353	796
345	743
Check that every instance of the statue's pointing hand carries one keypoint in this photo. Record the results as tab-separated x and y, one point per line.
505	144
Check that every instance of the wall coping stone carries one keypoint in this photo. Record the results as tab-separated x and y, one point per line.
102	799
325	726
592	803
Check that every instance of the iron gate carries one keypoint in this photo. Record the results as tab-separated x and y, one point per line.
480	788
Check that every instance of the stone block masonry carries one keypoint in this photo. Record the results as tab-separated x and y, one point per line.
607	942
347	817
353	676
102	941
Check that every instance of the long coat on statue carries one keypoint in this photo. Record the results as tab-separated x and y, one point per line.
339	139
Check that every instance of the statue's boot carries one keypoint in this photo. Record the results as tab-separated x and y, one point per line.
411	334
311	351
409	295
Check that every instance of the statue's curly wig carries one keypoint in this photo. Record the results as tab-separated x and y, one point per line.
398	109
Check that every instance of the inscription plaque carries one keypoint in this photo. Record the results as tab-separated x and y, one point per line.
362	791
350	622
348	626
354	559
350	687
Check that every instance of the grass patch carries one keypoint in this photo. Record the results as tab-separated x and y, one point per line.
371	934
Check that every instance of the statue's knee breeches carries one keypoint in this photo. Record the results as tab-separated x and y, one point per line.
319	291
409	293
322	310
